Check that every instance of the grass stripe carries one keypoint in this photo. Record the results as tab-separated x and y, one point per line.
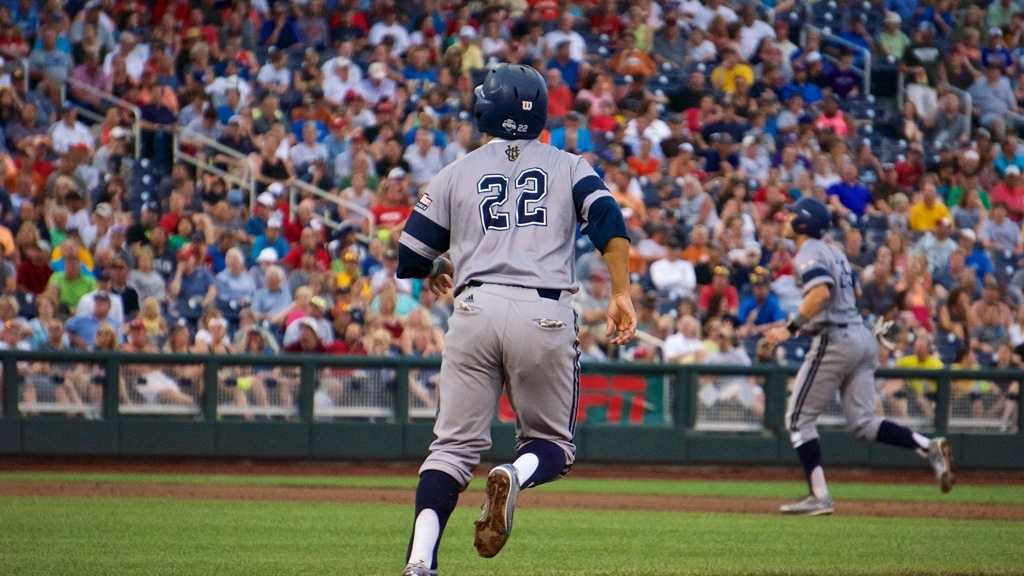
978	494
158	537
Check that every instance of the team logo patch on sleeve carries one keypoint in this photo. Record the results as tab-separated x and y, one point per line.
424	202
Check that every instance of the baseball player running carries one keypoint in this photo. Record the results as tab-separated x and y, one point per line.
506	215
843	357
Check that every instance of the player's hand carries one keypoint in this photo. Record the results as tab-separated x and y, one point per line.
777	335
621	319
440	285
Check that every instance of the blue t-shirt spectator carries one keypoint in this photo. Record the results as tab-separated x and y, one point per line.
570	70
583	142
768	312
855	197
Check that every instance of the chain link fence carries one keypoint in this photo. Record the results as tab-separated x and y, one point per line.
258	391
730	404
161	389
73	389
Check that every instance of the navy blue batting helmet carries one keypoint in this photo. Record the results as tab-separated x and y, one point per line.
511	102
812	217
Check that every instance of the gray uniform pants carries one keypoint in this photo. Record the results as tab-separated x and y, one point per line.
512	338
842	359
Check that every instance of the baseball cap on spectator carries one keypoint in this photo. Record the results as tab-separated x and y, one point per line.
275	221
813	57
268	256
995	31
235	119
320	303
276	188
969	234
350	257
972	155
136	324
266	199
102	296
377	71
119	132
760	276
686	147
338	121
893	18
235	197
103	210
467	31
721	271
396	173
1012	170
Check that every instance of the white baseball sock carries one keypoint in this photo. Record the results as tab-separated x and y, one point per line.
424	539
526	465
922	441
818	485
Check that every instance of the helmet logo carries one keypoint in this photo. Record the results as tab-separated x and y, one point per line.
509	124
527	105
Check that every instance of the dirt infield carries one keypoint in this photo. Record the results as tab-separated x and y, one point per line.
307	468
537	499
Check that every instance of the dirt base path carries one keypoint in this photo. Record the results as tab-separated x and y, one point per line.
308	468
533	499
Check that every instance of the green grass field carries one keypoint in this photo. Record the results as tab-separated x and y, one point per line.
113	537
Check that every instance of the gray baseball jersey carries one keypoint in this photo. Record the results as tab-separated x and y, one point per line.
507	215
511	210
843	355
819	262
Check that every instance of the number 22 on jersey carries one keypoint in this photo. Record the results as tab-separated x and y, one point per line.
530	186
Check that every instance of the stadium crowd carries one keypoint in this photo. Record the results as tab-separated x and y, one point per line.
704	117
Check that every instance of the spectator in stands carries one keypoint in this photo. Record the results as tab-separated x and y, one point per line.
892	40
926	213
999	233
759	310
83	327
719	296
993	98
193	288
1010	193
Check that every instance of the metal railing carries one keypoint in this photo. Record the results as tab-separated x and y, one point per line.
394	377
297	188
245	180
828	36
110	99
966	102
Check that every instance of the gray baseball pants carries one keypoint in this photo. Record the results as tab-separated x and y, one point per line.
843	359
513	339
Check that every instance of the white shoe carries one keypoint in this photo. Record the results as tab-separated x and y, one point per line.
940	456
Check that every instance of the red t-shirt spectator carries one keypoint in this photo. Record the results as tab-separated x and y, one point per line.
33	277
643	167
732	298
1013	197
389	215
908	174
294	257
559	101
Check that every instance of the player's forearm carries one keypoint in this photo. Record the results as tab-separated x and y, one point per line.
616	257
814	302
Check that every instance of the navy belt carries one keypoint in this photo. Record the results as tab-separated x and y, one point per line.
547	293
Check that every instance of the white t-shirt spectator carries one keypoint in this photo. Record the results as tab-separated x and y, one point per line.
303	154
335	88
702	15
355	75
679	346
374	93
134	61
577	45
751	37
676	277
381	30
493	46
64	137
453	151
272	76
222	84
1003	236
423	167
